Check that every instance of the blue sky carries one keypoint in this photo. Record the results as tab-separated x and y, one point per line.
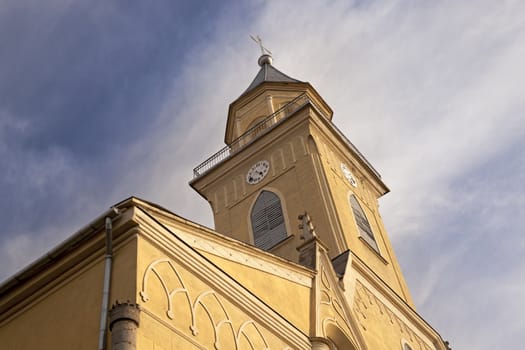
102	100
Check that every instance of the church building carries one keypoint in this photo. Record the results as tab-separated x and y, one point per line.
299	257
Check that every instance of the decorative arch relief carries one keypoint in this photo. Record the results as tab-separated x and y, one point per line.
207	302
366	302
332	310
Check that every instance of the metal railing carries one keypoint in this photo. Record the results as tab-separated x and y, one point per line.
251	134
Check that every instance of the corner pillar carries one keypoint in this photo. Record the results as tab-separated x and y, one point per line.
123	323
320	343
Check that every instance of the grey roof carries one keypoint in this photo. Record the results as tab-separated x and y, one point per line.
269	73
339	263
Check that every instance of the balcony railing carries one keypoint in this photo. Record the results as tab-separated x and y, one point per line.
252	134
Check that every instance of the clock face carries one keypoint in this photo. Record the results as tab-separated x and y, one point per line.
348	175
257	172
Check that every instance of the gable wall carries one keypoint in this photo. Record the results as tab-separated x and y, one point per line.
181	309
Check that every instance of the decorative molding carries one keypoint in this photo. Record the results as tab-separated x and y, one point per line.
184	335
280	152
394	302
243	185
216	202
292	151
273	167
303	145
248	260
335	312
235	191
225	194
201	300
161	237
363	303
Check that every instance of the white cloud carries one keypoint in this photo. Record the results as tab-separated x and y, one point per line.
428	91
23	248
431	92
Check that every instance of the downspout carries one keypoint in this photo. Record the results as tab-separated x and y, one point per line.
107	281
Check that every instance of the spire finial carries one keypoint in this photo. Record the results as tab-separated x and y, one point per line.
266	55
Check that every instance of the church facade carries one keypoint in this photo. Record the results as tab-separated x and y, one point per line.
299	257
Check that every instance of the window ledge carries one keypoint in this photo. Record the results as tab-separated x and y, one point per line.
376	251
280	243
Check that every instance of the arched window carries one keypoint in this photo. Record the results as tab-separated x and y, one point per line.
267	221
362	223
406	346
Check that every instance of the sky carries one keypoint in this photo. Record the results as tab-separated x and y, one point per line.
102	100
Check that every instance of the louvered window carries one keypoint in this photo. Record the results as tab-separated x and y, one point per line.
362	223
267	221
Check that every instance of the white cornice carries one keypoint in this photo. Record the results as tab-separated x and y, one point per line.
246	258
201	237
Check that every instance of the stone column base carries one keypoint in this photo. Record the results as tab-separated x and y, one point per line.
321	343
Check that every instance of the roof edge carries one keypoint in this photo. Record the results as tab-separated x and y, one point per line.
59	250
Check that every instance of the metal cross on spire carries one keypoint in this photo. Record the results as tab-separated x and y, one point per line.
264	50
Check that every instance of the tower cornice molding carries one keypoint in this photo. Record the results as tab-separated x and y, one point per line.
327	129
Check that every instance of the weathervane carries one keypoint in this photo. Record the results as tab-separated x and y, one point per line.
264	50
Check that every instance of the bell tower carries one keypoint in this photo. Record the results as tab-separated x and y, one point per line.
284	157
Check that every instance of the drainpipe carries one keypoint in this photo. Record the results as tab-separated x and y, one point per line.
107	281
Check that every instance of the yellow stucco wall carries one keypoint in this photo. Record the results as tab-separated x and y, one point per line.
385	326
65	314
264	104
283	286
66	317
305	160
291	177
383	262
288	298
180	309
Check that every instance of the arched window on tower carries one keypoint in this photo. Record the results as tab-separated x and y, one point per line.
363	226
267	221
